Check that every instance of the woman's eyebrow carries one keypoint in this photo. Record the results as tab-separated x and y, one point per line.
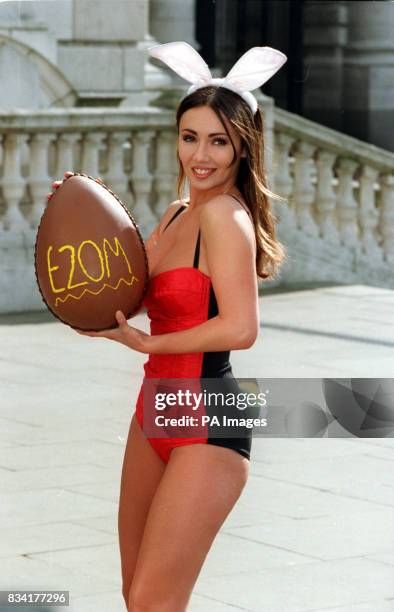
209	135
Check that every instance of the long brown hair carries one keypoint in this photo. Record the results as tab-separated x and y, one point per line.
251	178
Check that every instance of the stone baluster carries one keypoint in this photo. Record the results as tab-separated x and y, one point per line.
90	153
368	214
13	183
304	192
1	165
269	122
283	182
165	187
115	177
346	203
65	155
142	181
386	224
39	180
325	201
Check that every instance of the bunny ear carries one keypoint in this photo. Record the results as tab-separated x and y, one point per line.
183	59
255	67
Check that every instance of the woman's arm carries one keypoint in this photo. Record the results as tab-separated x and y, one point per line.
229	240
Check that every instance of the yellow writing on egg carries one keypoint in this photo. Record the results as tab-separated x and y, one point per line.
77	257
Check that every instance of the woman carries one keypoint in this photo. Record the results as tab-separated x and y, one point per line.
203	302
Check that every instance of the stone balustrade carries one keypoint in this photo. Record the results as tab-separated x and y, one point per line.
338	192
131	150
339	211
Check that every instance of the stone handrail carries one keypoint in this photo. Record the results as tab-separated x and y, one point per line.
329	139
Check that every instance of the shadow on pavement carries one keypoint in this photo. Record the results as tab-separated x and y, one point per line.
26	318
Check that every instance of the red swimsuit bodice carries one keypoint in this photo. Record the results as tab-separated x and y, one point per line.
176	299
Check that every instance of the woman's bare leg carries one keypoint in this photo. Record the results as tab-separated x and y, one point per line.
141	474
199	488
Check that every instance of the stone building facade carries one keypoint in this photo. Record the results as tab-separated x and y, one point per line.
340	69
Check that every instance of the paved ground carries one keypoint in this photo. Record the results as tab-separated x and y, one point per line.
314	528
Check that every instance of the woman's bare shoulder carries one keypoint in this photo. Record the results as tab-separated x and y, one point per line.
225	215
226	209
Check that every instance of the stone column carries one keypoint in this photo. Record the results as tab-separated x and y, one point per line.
325	35
171	20
226	35
369	72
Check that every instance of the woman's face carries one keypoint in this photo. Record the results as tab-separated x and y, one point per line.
205	150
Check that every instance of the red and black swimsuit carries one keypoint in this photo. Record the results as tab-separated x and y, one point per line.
178	299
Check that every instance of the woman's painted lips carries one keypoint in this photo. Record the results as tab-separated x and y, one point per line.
202	173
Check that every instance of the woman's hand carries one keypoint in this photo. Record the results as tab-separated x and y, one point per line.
125	334
56	184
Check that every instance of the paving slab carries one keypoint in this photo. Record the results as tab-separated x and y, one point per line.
329	537
56	536
305	587
60	476
297	501
353	476
46	505
26	573
379	605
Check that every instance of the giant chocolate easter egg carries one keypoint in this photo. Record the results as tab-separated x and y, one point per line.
90	259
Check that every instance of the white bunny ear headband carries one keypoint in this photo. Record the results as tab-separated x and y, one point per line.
252	70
